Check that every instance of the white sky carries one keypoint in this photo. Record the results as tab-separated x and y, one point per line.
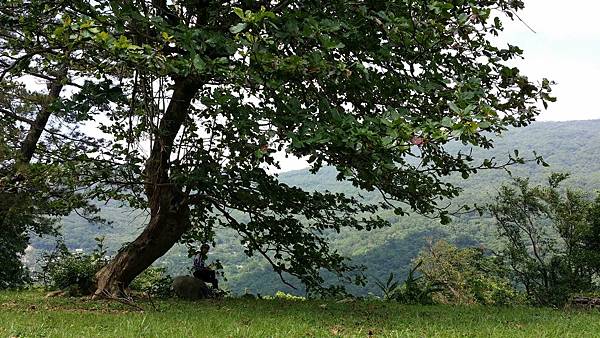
565	49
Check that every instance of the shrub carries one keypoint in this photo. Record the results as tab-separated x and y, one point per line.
154	281
466	276
552	238
414	290
72	271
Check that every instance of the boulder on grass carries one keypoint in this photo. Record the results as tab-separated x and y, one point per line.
188	287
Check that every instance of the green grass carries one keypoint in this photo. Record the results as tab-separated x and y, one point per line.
29	314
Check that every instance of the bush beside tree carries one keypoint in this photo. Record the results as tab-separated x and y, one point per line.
72	271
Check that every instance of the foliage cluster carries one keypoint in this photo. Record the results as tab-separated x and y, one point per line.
413	290
39	138
72	271
466	276
552	238
392	249
155	282
213	90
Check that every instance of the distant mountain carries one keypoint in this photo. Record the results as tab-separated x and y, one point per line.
572	146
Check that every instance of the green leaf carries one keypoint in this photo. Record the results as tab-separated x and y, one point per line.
238	28
330	43
199	64
484	124
166	36
454	107
58	32
103	36
122	42
239	12
447	122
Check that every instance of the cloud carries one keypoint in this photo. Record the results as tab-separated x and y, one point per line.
565	49
560	19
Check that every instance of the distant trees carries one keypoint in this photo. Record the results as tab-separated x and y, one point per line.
552	238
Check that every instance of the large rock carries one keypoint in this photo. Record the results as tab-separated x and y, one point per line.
188	287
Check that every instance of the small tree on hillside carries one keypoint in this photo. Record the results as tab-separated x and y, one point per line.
551	237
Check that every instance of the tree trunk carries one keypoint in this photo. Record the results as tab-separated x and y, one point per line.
162	232
41	120
170	218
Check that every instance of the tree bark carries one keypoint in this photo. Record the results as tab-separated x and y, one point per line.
165	228
29	144
39	124
169	217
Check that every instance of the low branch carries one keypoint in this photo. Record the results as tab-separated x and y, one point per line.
7	112
276	267
123	300
51	79
23	58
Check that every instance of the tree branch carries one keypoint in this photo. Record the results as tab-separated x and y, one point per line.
7	112
256	246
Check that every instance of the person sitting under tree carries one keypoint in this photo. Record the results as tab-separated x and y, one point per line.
203	272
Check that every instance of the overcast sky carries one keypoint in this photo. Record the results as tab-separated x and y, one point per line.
566	49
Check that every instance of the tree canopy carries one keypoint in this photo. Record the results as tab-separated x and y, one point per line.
194	103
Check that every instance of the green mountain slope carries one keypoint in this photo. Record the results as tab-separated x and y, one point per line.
572	146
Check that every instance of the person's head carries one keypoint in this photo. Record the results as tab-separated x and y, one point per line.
204	248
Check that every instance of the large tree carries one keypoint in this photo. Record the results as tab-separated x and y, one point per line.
40	136
214	91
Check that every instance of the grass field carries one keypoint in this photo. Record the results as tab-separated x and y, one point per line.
29	314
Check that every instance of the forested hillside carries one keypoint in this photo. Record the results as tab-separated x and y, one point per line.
567	146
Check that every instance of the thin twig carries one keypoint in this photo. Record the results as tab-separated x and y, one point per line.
522	21
127	301
276	267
